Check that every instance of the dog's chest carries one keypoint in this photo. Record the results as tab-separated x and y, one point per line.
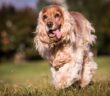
60	56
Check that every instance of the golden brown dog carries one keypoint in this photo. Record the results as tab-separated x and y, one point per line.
64	39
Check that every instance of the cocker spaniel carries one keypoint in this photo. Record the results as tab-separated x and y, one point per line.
64	39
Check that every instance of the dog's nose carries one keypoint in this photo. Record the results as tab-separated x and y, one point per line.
49	24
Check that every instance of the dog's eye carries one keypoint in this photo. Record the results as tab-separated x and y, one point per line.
57	15
45	17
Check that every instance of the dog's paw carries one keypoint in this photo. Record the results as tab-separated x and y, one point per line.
61	81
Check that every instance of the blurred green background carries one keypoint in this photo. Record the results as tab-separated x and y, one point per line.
20	62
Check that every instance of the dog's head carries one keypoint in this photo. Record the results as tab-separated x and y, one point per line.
53	24
56	24
53	19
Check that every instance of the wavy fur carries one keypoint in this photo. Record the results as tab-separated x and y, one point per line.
70	58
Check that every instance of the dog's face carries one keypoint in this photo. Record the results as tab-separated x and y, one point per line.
57	25
53	19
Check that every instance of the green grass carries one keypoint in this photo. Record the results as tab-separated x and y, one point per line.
34	79
23	72
103	71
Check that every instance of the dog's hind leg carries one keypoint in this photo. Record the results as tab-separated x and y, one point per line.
88	71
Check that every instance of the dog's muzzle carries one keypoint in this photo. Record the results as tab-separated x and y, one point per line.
49	25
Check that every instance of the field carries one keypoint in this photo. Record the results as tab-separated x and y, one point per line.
34	79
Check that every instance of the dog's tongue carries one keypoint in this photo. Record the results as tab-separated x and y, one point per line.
57	33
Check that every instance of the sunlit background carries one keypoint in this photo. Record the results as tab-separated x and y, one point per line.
20	62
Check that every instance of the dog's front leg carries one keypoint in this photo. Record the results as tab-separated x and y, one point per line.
66	75
70	72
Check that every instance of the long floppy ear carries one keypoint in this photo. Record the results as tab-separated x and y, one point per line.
41	39
68	26
83	30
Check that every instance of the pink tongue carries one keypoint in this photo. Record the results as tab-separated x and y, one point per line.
57	34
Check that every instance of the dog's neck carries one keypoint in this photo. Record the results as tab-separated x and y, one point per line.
58	44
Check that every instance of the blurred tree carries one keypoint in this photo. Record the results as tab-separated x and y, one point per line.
18	25
41	4
103	27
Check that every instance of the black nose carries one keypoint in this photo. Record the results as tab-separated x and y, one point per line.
49	24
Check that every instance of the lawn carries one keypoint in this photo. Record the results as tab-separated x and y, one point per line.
34	79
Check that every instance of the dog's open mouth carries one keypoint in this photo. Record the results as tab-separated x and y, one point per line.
55	33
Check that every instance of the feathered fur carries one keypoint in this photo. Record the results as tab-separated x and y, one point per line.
70	57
